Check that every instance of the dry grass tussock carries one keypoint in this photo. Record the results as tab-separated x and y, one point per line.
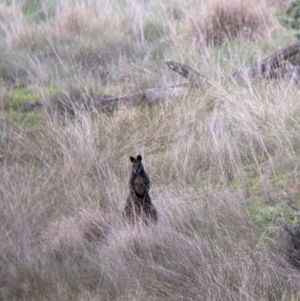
220	20
63	188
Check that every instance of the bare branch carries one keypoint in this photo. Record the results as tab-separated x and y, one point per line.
192	75
291	205
277	65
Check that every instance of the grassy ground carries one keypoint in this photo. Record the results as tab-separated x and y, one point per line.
221	160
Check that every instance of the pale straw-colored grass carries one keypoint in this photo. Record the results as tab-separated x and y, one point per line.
220	160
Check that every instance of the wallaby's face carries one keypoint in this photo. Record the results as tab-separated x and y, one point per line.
137	165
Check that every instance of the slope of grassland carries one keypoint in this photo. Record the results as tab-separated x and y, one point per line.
221	159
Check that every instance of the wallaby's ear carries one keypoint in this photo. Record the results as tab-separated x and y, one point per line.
132	159
139	158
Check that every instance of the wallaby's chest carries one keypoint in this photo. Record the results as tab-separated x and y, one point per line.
140	184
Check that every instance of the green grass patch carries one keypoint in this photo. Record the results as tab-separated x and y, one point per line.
27	120
266	216
20	96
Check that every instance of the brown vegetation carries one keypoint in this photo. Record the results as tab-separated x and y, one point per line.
220	21
219	157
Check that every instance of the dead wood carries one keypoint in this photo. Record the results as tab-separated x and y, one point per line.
284	63
74	101
195	77
150	95
291	205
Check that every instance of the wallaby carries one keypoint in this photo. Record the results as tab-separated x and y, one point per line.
139	204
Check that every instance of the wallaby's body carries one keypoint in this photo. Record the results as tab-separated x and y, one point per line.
139	204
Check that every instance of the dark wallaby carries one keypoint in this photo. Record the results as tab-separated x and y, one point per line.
139	204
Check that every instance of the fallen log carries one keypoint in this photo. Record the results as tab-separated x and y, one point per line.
195	77
74	101
150	95
284	63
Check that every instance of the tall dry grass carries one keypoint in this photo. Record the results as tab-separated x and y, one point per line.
216	22
121	43
209	156
219	160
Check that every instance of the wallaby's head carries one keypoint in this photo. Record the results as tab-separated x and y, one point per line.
137	165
